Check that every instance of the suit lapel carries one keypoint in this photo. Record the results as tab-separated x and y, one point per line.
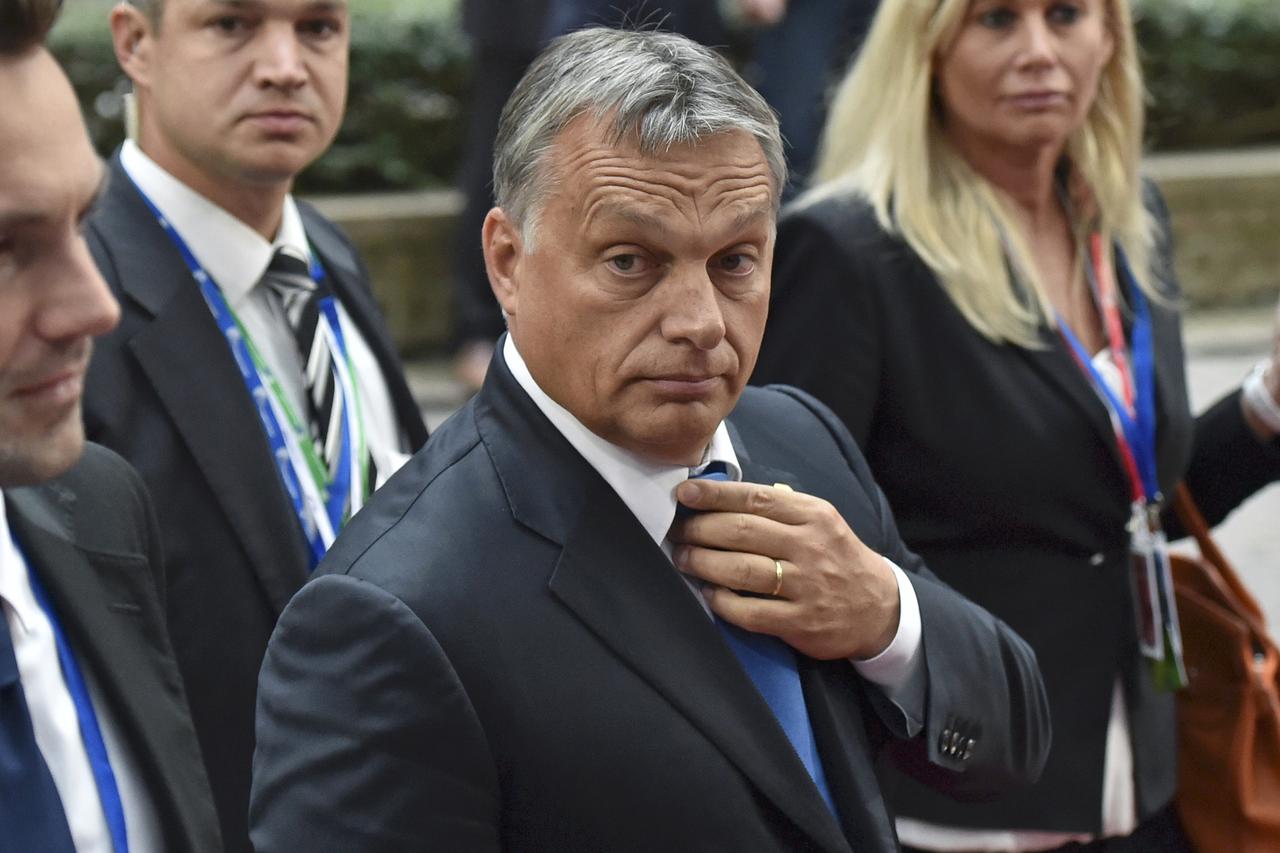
184	356
108	606
615	580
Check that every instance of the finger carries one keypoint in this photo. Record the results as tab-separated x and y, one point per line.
773	502
737	571
736	531
762	615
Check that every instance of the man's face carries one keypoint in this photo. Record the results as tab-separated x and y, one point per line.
245	93
52	299
641	306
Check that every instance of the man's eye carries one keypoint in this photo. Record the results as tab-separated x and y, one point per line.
230	24
737	264
628	264
321	27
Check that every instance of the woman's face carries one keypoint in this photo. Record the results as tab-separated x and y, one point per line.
1021	75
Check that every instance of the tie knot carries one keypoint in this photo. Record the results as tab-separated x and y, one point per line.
716	470
287	262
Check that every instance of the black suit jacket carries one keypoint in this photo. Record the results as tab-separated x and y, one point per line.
164	392
1003	468
91	538
497	656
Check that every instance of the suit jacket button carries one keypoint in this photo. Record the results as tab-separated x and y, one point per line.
1097	559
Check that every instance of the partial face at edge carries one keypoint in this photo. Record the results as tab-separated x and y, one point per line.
52	299
1023	74
642	305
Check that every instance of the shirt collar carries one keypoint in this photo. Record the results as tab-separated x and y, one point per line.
233	254
15	587
646	487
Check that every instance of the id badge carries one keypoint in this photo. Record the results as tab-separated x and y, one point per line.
1144	574
1170	669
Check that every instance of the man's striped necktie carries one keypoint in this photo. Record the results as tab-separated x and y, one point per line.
301	297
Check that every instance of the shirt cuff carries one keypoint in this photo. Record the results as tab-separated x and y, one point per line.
899	670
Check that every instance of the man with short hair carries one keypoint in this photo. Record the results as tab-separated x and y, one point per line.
97	750
526	643
252	381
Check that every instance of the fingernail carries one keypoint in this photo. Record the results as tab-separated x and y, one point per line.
689	491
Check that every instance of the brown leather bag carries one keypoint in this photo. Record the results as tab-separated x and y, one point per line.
1229	714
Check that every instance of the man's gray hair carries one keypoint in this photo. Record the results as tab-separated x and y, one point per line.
656	89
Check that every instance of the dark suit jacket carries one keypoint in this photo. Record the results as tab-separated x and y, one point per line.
91	538
164	392
497	656
1003	468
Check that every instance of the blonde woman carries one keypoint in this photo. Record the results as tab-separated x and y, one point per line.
980	284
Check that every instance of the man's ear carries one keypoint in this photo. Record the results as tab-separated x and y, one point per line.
503	254
132	38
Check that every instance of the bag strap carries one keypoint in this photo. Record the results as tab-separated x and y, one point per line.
1193	523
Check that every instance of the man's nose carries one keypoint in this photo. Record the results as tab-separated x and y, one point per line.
693	310
78	302
279	61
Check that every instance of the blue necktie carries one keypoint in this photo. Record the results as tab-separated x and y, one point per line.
771	665
31	814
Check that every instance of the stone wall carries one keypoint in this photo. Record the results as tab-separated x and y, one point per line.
1225	207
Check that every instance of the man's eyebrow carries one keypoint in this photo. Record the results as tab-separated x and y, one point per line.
316	6
750	217
628	213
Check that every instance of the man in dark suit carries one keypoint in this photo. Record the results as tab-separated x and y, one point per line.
515	648
251	381
96	743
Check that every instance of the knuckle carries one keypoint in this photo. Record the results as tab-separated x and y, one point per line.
760	501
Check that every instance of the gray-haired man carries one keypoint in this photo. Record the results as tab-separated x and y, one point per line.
514	647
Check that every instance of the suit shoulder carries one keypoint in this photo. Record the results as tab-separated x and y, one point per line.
846	218
323	230
427	496
102	500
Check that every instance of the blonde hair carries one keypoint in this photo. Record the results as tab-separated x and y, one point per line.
884	141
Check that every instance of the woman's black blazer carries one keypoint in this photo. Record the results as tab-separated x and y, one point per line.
1002	468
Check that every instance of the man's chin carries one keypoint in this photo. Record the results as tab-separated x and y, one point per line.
29	463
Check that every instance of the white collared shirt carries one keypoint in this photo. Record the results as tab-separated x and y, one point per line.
57	726
648	490
236	257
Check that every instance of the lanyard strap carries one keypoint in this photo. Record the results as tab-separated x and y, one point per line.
90	732
320	504
1135	424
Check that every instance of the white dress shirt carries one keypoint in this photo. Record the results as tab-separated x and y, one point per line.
648	490
1119	797
236	257
57	726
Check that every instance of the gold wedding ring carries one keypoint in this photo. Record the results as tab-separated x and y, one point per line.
777	587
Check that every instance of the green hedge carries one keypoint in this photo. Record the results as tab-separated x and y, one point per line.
1212	68
1213	72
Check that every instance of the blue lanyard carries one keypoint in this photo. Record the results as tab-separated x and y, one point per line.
1138	429
335	498
90	732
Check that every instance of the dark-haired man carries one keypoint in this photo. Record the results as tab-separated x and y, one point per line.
252	381
97	749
